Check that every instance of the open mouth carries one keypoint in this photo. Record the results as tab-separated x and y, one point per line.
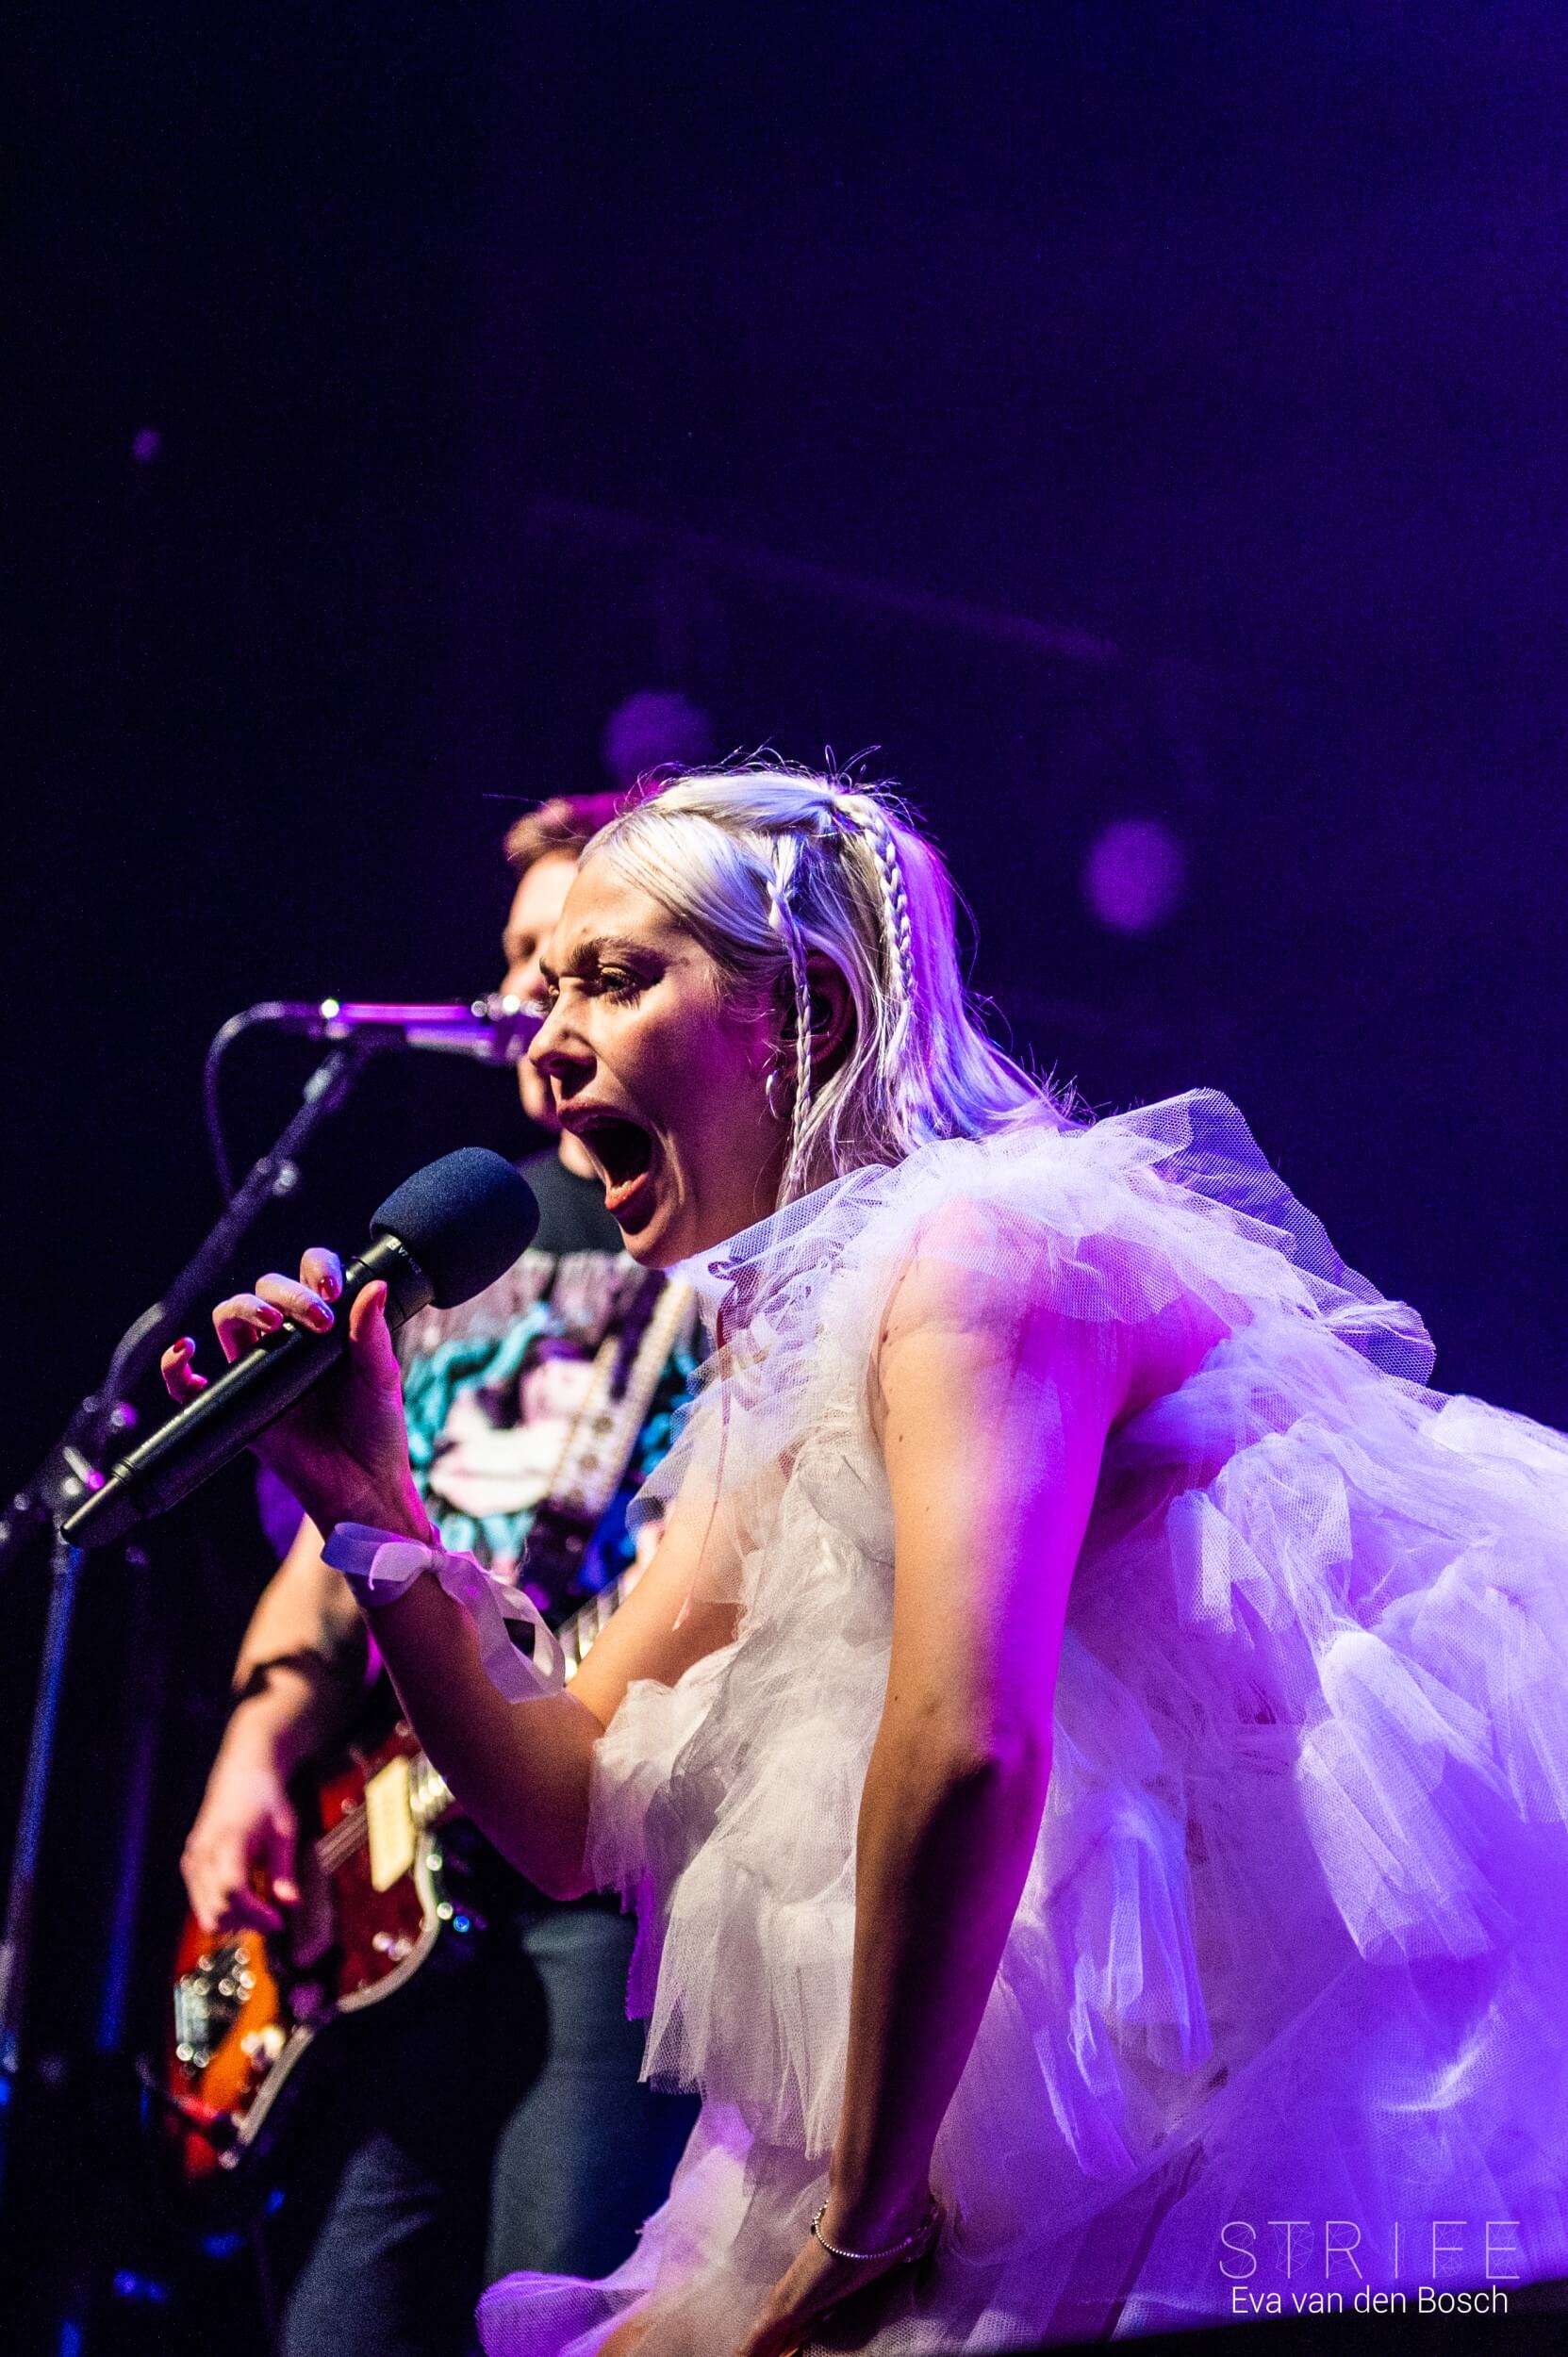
622	1149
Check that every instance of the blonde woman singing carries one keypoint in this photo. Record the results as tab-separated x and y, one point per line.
1090	1755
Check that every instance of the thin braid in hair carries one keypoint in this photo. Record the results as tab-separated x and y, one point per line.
780	917
872	819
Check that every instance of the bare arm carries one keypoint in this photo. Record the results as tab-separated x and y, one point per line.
302	1658
993	1427
992	1414
296	1681
521	1770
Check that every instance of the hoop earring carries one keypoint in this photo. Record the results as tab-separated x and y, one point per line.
775	1074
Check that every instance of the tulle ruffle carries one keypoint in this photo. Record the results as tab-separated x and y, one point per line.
1112	1224
1294	1940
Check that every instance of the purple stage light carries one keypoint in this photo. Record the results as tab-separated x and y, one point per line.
1136	874
146	445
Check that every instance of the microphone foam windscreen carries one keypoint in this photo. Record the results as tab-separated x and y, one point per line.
465	1219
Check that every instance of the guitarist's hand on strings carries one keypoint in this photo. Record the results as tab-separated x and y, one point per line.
343	1448
238	1860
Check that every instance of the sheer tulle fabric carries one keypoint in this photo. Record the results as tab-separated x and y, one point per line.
1295	1943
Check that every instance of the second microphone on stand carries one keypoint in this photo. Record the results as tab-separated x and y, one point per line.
496	1029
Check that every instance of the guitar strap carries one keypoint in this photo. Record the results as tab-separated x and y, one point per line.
600	1442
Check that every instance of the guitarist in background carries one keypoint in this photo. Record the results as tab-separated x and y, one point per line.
488	2116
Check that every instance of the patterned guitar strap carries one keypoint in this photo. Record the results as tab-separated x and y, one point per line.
598	1445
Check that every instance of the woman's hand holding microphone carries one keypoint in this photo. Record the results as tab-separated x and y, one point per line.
343	1448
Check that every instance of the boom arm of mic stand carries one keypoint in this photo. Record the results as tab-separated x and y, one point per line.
74	1463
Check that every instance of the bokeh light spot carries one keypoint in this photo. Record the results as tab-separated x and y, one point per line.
146	445
1136	874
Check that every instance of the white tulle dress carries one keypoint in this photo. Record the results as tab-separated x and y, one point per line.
1294	1947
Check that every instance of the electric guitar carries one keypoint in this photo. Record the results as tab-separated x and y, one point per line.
376	1892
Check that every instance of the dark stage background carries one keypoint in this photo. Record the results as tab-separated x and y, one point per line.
1115	413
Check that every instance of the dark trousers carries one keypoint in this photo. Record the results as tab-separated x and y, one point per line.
488	2117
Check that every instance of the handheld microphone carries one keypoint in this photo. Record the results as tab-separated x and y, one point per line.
497	1029
446	1233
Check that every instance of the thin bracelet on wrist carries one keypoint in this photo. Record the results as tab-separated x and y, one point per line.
912	2247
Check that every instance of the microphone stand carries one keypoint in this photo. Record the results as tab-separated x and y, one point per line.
76	1464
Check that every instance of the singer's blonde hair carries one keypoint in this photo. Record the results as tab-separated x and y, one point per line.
764	865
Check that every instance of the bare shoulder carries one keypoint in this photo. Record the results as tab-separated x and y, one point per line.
971	1266
992	1285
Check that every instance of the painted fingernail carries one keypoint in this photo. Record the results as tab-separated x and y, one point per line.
183	1348
320	1316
